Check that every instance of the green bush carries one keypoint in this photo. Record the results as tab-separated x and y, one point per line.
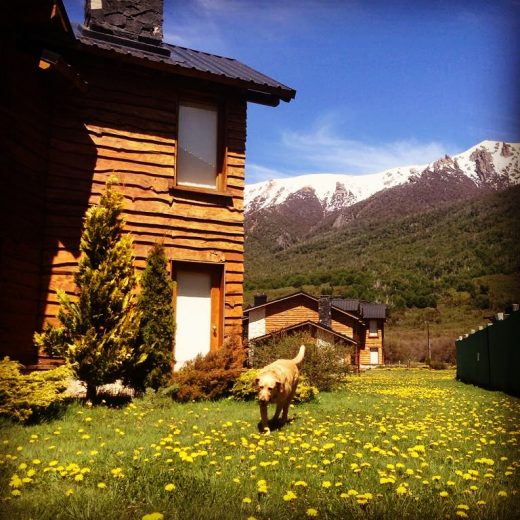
151	361
244	388
211	376
98	327
324	366
24	397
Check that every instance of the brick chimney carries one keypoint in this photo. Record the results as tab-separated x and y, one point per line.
138	20
324	311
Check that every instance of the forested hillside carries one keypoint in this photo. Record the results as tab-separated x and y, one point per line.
452	265
407	262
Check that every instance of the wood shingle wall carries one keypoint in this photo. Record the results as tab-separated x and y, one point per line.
24	115
125	125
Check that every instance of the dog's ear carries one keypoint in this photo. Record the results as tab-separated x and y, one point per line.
278	385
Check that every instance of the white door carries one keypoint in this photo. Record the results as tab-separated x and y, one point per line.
374	356
192	316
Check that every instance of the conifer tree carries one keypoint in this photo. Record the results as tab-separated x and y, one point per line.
152	361
99	327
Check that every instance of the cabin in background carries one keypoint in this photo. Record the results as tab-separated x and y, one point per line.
111	98
330	320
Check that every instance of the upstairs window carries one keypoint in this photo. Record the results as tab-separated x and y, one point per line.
198	146
372	332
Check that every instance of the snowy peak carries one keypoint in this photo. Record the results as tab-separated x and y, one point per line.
490	164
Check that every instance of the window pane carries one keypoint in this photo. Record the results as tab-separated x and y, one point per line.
197	154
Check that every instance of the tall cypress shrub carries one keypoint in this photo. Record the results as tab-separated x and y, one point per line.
151	363
98	328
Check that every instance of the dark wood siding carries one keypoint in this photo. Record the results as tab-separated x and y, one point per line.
125	125
24	134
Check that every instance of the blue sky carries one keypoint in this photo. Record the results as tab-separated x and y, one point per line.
379	83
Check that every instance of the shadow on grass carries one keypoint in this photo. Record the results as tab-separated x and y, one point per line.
274	425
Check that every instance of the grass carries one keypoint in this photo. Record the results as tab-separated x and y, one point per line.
393	443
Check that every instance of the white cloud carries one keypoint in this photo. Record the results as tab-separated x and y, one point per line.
323	150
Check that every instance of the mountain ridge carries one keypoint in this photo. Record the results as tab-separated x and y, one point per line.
489	164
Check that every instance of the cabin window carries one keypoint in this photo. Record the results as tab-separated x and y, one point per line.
372	331
198	146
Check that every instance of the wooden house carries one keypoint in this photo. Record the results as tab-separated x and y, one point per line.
111	98
330	320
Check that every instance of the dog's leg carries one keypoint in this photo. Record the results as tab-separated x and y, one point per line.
286	405
263	416
277	412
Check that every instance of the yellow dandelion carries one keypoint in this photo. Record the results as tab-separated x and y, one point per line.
326	484
311	512
401	490
69	492
16	492
169	487
502	493
246	500
101	485
153	516
289	496
444	494
462	514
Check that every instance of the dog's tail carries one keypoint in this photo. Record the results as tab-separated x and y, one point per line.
299	357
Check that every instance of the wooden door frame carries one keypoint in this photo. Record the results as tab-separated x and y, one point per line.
217	272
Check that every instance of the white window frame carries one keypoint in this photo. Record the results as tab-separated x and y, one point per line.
211	157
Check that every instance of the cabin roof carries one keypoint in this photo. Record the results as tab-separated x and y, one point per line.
189	62
373	310
345	305
308	324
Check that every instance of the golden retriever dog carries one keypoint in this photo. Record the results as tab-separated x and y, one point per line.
276	383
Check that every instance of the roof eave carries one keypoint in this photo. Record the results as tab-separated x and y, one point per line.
254	92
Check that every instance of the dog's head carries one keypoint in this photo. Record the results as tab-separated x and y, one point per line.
267	386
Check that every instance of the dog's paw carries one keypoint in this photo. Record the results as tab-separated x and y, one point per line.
267	431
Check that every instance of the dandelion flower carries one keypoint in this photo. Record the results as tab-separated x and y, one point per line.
153	516
502	493
311	512
289	496
401	490
444	494
69	492
16	492
169	487
246	500
101	485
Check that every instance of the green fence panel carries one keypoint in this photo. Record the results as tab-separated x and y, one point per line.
467	360
504	339
482	365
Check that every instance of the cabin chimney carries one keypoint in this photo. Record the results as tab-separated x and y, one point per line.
260	299
324	311
138	20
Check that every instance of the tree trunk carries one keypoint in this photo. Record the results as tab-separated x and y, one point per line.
91	392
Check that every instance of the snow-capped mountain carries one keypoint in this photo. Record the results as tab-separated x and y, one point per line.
490	164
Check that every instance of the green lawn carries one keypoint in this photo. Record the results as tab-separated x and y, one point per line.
392	444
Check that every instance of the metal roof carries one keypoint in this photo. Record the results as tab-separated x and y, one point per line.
346	304
373	310
190	62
